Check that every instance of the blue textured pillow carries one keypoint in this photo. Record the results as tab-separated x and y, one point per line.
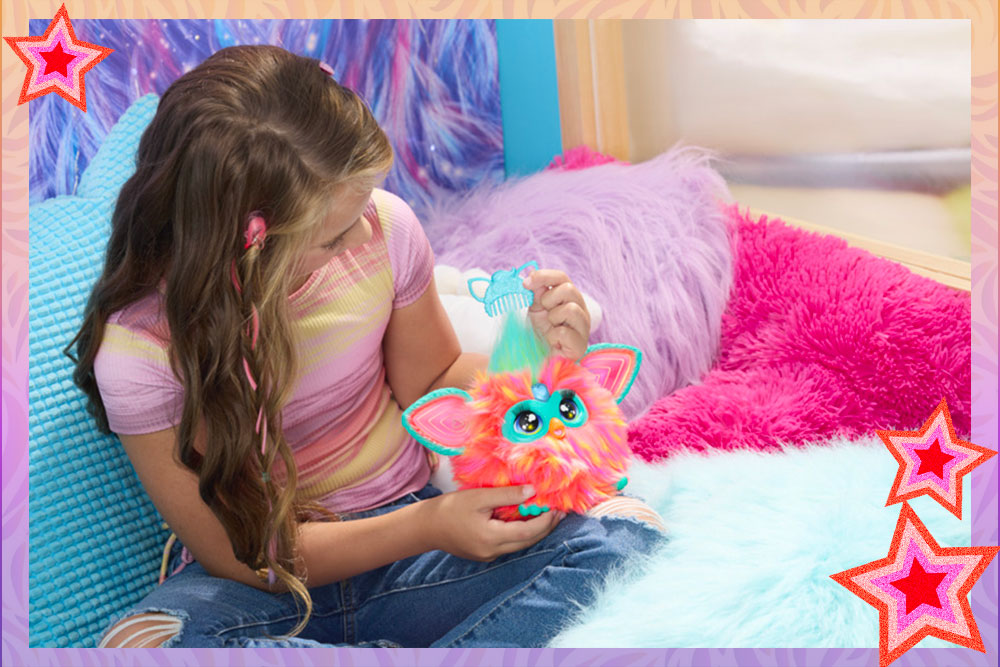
95	537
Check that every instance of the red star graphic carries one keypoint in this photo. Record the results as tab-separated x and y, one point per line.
57	59
932	459
919	587
932	599
937	467
57	62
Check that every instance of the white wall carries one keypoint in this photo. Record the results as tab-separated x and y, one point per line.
797	86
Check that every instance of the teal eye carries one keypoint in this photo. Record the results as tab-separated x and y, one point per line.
526	422
571	411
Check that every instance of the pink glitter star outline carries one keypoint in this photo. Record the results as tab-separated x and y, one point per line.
71	87
908	484
899	631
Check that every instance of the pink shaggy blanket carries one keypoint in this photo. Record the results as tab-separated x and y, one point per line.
818	340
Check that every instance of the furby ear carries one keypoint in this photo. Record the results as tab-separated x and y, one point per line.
439	421
614	366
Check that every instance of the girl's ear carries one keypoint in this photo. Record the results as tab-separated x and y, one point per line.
614	366
440	421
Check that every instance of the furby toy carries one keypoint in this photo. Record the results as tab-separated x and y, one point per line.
533	417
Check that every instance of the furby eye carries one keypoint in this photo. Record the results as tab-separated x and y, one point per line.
568	408
526	422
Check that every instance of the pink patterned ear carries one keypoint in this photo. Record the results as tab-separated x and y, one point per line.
614	366
439	421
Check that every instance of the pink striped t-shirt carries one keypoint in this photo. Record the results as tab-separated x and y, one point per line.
342	423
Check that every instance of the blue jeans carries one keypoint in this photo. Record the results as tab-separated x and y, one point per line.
521	599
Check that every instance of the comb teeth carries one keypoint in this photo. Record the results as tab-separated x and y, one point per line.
507	303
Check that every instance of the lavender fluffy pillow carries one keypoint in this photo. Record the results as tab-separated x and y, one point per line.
648	241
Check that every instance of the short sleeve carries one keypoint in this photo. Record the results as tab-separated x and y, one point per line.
138	387
410	252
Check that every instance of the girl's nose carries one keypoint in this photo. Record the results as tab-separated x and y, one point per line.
360	235
557	428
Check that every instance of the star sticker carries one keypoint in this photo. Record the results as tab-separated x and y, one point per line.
932	461
57	62
57	59
920	589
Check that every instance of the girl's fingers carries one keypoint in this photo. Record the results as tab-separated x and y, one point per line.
491	497
563	293
544	282
543	279
566	341
562	305
522	534
559	313
570	315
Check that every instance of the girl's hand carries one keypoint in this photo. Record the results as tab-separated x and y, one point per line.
462	523
559	313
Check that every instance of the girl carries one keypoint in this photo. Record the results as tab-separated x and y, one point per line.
263	316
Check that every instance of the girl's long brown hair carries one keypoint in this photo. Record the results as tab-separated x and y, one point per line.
252	128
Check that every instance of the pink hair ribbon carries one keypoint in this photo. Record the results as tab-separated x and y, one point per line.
256	231
254	236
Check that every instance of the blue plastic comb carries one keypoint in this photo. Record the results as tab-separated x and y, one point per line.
504	291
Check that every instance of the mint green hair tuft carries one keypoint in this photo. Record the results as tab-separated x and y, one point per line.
518	347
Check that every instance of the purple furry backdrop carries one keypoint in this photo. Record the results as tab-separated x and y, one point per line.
648	241
433	86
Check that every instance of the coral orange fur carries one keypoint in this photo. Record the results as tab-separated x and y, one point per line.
572	473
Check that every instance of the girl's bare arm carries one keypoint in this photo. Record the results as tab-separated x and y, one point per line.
422	352
331	551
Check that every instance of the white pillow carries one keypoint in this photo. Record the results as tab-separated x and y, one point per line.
475	329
